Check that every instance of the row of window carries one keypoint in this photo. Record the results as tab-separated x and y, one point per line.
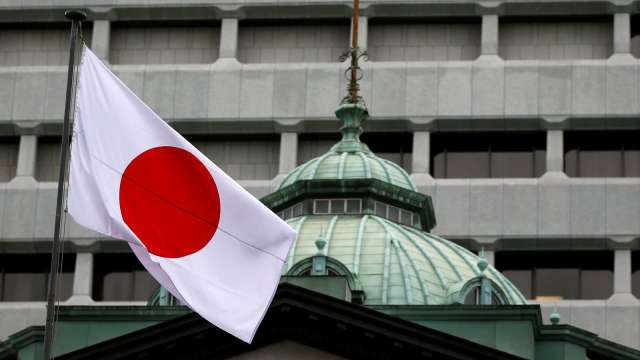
353	206
495	154
540	275
324	40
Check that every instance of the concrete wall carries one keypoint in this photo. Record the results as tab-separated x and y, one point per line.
199	95
556	40
291	43
164	45
423	42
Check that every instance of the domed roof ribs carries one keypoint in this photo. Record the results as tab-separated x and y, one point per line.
318	163
384	168
292	252
437	249
453	248
408	291
343	157
425	293
358	249
386	266
404	174
507	286
329	234
382	222
365	163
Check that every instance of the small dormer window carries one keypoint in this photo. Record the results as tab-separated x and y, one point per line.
291	212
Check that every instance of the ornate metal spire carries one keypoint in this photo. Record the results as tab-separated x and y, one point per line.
354	72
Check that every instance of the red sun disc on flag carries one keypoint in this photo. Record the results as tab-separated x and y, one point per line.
169	199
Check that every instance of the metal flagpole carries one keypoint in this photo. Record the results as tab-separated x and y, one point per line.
76	18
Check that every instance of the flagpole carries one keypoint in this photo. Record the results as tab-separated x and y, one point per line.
76	18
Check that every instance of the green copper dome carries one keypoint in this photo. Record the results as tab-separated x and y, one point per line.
395	263
350	158
360	217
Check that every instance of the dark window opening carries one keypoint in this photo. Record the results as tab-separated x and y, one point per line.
635	273
556	275
488	155
23	277
473	297
8	157
121	277
602	153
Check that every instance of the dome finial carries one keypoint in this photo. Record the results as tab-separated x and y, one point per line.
555	316
482	261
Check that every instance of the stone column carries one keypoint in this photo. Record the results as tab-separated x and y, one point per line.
421	156
27	151
288	152
621	33
229	38
555	151
490	256
622	272
82	279
363	33
490	35
100	39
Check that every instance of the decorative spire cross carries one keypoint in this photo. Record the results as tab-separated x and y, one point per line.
354	72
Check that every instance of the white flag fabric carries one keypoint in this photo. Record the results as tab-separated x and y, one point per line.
203	237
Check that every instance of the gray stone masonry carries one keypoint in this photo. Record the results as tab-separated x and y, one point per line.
421	155
622	272
101	39
489	39
82	279
27	156
621	33
288	152
555	150
229	38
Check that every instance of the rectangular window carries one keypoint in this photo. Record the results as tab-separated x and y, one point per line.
302	41
555	275
394	213
380	209
23	277
488	154
321	207
242	157
178	43
9	147
337	206
424	39
48	158
297	210
555	38
354	206
406	217
37	44
602	153
121	277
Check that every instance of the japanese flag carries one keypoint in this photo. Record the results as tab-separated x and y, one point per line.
203	237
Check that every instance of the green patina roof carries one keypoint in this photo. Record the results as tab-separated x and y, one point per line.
396	264
350	158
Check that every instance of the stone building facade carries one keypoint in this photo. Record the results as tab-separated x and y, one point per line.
519	119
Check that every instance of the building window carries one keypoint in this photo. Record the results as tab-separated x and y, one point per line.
9	147
121	277
48	158
291	211
555	38
396	214
242	157
635	273
423	40
488	155
473	297
267	42
23	277
177	43
337	206
393	146
557	275
602	153
37	44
